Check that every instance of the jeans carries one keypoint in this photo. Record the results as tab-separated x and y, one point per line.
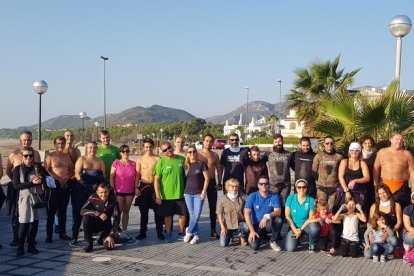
244	232
377	249
273	226
408	241
313	232
195	206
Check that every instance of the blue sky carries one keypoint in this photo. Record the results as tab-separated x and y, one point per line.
192	55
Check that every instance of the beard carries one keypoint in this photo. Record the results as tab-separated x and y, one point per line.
278	148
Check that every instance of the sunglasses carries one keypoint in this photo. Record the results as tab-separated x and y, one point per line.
27	155
125	151
192	151
263	183
234	140
167	149
301	187
329	143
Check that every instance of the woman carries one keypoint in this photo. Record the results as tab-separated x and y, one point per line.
89	172
230	214
353	174
29	178
391	210
299	208
123	181
408	235
368	155
194	192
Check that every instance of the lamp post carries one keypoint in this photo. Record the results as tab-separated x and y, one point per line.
161	130
40	87
399	27
247	112
280	106
82	115
97	130
104	88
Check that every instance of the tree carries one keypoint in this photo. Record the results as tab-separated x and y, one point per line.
315	84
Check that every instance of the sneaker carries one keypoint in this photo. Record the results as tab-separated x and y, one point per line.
65	237
243	242
160	236
275	246
73	242
390	257
332	252
88	248
168	237
195	240
311	248
383	259
141	236
180	236
187	236
375	259
405	260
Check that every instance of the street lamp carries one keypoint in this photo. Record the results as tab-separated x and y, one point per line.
247	112
280	106
40	87
82	115
97	130
104	88
161	130
399	27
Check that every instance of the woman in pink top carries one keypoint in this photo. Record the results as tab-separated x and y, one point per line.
123	181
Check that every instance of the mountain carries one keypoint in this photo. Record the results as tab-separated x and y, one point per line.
257	109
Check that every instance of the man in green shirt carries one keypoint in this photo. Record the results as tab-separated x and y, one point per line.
106	152
169	189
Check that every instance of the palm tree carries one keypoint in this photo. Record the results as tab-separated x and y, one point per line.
272	119
314	84
346	117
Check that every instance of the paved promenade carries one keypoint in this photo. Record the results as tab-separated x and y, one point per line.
153	257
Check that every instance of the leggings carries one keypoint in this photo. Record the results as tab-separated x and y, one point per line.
28	230
350	247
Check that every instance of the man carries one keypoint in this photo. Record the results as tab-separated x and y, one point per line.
256	168
70	149
145	166
97	213
279	169
262	215
394	166
59	165
213	163
169	190
106	152
179	147
301	163
15	159
325	167
233	161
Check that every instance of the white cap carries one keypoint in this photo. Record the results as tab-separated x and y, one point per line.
354	146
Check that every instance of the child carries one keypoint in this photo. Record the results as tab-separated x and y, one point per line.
327	232
350	239
376	244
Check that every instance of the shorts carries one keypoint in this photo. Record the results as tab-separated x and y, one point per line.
172	207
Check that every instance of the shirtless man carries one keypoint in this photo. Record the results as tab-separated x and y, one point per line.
15	159
179	147
213	163
89	171
145	190
59	165
394	167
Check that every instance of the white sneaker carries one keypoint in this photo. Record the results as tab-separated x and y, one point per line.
275	246
383	259
375	259
187	236
195	240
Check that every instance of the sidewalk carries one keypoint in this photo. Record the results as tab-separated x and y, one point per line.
154	257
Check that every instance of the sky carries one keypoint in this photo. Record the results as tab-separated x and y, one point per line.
195	55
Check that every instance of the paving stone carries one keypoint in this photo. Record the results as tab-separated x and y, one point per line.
22	261
6	267
26	271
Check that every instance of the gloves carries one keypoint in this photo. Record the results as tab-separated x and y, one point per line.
321	220
328	221
358	207
343	207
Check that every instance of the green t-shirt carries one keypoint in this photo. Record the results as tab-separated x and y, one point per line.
171	173
108	155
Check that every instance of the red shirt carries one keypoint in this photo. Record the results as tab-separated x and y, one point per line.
324	227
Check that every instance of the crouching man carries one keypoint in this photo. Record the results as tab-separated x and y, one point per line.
97	213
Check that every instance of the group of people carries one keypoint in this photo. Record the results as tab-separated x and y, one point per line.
331	194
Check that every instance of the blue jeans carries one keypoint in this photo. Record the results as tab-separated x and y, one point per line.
377	249
313	232
244	231
408	240
273	225
195	206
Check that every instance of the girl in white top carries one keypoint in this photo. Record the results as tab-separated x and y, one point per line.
350	239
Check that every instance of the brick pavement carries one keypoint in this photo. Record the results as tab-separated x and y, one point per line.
153	257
